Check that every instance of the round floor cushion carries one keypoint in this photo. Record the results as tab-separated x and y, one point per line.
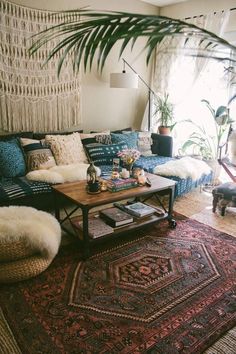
29	240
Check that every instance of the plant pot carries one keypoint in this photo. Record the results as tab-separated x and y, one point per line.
164	130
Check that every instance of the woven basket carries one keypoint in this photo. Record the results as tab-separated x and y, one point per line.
14	250
23	268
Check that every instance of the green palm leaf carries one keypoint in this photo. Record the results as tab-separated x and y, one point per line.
88	32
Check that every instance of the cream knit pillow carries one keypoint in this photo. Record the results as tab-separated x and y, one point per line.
67	149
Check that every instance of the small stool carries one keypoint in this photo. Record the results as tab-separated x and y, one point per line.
29	241
224	195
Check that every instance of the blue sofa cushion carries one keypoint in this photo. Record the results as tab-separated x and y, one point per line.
130	139
12	162
19	187
104	154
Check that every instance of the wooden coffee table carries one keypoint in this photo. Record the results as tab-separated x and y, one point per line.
75	192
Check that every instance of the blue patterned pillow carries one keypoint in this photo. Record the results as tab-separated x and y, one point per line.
12	162
104	154
130	139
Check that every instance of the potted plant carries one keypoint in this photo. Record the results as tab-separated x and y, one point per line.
208	143
164	114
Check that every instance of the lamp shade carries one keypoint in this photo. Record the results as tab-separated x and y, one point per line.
124	80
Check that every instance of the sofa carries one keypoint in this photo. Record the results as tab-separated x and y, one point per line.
17	189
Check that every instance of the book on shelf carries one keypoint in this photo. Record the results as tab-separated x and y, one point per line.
116	217
96	227
139	209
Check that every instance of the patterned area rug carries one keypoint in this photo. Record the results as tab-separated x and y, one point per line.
168	291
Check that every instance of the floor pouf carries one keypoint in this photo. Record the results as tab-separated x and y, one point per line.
29	240
224	195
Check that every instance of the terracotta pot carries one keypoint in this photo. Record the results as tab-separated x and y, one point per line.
164	130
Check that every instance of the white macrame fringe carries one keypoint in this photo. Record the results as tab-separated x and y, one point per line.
31	96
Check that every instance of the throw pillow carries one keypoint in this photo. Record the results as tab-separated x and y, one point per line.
12	162
145	143
67	149
102	138
130	139
42	135
6	137
104	154
122	130
38	157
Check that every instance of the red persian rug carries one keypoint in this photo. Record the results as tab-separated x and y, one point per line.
168	291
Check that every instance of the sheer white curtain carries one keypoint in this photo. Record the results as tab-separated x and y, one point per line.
174	71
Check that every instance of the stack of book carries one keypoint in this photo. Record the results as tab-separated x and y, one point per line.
138	209
116	217
119	184
96	227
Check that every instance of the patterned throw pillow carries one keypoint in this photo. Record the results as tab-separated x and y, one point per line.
130	139
12	162
38	157
104	154
102	138
67	149
145	143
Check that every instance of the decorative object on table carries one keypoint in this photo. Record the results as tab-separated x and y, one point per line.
139	209
96	227
129	156
115	174
119	184
93	185
116	164
139	174
142	179
125	173
103	186
137	171
116	217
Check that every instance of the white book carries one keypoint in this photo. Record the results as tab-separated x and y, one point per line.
139	209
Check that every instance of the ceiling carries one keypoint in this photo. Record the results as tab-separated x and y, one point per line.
161	3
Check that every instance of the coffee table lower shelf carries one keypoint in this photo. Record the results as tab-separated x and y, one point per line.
138	223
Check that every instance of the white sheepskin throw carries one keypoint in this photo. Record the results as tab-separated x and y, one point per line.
40	230
232	147
61	174
183	168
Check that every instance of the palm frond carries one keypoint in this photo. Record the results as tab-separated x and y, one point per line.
88	32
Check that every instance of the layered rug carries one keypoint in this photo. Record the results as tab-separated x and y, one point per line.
167	291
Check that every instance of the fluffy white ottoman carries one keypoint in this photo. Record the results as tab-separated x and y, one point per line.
29	240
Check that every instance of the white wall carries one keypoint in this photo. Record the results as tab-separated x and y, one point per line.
201	7
103	107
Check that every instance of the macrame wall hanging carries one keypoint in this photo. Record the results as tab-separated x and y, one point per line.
31	96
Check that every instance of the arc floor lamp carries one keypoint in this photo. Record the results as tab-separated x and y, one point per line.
131	80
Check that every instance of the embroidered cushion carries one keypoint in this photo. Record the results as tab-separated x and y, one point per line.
12	162
67	149
145	143
38	157
130	139
102	138
104	154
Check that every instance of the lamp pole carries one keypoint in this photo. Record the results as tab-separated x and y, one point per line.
150	91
